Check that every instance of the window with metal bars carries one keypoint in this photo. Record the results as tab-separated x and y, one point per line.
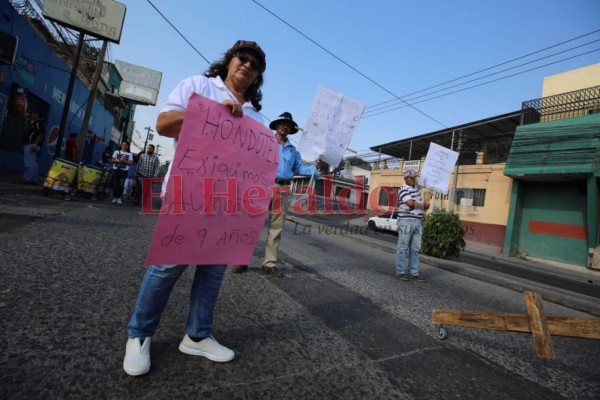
384	199
477	195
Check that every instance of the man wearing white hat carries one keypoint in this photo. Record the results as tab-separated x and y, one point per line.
410	228
290	164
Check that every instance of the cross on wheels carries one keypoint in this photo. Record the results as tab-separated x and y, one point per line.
535	322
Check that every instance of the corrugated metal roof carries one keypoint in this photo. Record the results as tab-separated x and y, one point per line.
567	146
492	134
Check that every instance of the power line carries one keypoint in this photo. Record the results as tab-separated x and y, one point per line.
485	83
180	34
397	98
346	64
488	68
476	79
400	99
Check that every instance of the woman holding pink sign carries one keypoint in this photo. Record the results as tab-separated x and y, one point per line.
234	81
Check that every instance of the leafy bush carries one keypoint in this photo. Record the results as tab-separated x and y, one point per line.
442	235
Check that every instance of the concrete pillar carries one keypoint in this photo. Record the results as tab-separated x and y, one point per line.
513	223
479	159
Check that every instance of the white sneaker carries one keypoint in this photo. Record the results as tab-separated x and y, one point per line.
137	356
208	348
119	201
114	200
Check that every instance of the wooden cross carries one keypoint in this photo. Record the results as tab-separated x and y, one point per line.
534	322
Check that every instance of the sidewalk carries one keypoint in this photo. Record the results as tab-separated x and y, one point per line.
12	183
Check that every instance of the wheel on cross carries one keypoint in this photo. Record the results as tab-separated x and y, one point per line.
441	332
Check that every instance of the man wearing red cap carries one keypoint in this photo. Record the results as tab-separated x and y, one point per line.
410	228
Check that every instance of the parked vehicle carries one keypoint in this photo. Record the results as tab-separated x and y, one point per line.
384	222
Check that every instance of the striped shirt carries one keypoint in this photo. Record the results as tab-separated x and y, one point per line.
405	194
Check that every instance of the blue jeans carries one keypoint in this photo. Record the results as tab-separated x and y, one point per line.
31	165
410	231
154	294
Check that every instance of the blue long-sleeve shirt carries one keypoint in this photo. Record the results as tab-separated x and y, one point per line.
290	163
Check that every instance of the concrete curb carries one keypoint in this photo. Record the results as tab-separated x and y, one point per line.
549	293
20	189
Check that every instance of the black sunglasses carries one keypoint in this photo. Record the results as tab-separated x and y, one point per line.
244	58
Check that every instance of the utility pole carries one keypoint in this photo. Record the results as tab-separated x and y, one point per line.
90	102
148	130
67	106
459	147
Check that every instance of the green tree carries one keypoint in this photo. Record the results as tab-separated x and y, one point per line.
442	235
359	162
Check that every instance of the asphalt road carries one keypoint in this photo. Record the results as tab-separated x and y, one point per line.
588	287
339	325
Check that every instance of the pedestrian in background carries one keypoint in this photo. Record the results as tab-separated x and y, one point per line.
290	164
121	160
148	165
71	148
106	162
162	170
235	82
410	228
31	148
130	185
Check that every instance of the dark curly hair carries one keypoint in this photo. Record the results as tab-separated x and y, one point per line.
219	68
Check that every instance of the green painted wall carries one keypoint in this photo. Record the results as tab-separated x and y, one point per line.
556	147
515	212
558	202
593	212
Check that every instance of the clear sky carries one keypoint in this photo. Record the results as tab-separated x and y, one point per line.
402	46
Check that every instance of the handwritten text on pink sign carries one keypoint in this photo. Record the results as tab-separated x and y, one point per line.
219	189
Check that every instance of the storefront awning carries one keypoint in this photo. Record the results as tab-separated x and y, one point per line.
566	147
492	134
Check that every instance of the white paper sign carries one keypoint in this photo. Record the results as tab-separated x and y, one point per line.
331	123
438	167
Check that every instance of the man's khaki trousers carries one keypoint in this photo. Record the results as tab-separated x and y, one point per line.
275	222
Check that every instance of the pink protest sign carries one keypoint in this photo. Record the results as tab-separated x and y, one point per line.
219	189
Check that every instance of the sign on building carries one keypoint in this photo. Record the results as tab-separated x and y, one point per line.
139	84
139	75
139	94
412	164
115	135
100	18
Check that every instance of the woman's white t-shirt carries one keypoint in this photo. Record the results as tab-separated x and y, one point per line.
212	88
118	154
